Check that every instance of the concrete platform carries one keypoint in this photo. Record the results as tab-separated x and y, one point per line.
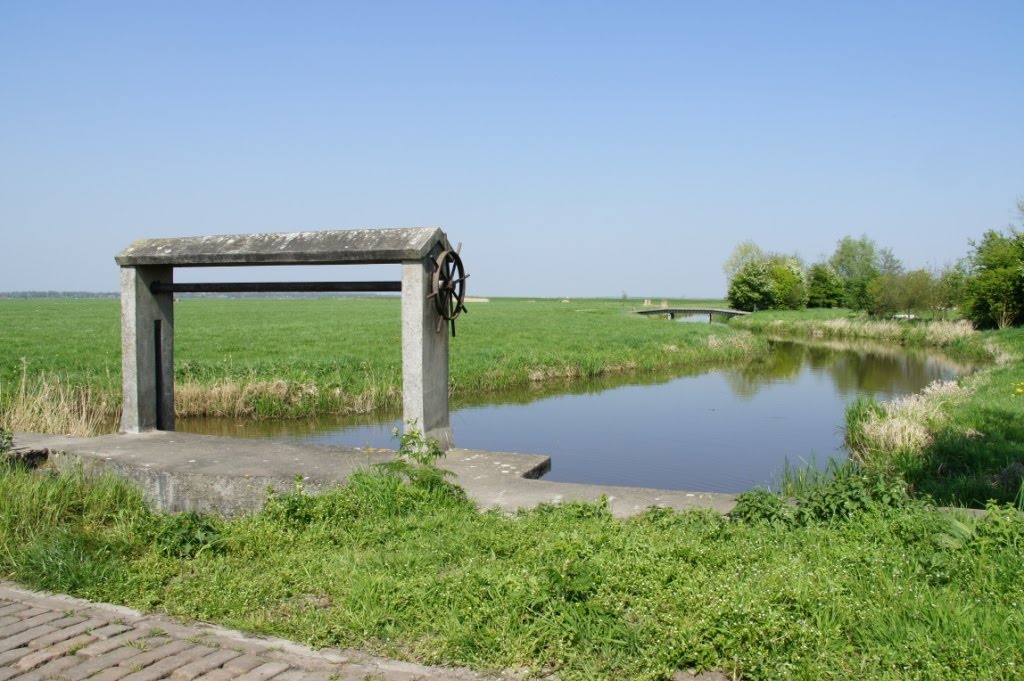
183	471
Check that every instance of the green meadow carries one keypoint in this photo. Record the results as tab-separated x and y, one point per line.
271	358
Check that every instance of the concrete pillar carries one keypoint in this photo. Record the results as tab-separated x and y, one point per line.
424	355
147	350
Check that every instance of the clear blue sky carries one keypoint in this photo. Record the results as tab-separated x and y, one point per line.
575	148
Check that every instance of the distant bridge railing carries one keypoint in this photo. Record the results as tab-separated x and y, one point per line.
671	312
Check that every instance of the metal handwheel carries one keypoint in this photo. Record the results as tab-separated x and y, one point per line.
448	287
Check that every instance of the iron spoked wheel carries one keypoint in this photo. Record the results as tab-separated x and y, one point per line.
448	288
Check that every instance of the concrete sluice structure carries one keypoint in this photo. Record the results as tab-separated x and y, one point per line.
231	476
189	472
147	309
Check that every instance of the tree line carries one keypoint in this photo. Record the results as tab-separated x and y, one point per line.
986	285
58	294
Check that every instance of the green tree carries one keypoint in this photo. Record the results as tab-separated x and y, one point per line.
994	290
824	287
908	292
744	252
881	295
888	263
788	282
857	262
752	287
951	287
918	291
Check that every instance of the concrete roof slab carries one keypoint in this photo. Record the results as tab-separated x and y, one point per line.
335	247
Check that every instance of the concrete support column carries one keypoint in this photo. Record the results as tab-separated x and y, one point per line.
147	350
424	355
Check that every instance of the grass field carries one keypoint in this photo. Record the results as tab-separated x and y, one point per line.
298	357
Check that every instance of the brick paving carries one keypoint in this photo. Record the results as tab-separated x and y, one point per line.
47	637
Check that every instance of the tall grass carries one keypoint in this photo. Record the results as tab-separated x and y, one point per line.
256	398
957	337
46	403
880	433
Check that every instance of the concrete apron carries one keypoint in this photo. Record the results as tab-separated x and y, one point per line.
184	471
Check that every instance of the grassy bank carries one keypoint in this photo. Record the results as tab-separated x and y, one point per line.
955	337
258	358
960	444
855	581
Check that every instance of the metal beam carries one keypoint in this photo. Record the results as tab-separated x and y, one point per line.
282	287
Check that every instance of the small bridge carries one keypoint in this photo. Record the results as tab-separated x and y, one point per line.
671	312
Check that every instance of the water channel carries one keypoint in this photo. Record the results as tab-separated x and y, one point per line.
725	430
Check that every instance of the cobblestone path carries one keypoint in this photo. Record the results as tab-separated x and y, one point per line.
67	639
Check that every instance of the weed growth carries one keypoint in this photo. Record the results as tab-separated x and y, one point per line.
416	462
187	535
840	493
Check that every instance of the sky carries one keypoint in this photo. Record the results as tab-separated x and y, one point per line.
574	148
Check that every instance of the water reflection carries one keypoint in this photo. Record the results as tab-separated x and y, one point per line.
725	430
854	368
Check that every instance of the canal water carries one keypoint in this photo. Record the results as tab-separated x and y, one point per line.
725	430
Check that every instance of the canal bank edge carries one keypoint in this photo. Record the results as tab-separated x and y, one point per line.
188	472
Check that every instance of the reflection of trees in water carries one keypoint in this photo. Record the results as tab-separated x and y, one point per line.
854	368
783	362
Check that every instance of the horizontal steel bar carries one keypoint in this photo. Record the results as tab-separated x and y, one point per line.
282	287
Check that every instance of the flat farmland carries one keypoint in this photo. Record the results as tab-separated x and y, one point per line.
293	357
